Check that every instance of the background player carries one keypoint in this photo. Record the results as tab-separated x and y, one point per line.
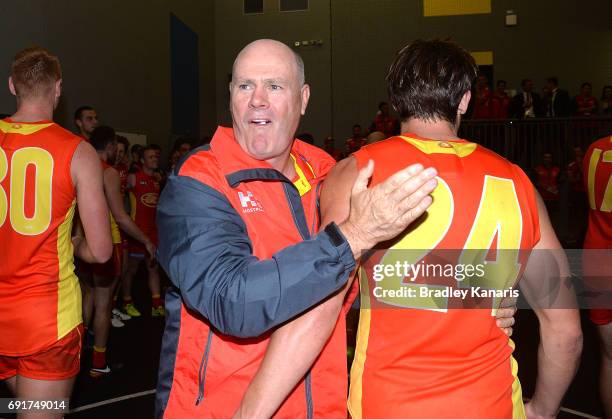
44	171
144	187
423	358
99	294
86	120
597	170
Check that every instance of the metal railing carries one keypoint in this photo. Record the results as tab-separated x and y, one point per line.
523	141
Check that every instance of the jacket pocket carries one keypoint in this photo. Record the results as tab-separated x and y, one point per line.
202	370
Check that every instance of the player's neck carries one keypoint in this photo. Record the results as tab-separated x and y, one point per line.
438	130
148	171
33	111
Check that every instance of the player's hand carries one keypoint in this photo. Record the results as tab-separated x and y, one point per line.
151	249
382	212
504	317
532	413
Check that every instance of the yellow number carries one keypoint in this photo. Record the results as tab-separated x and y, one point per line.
606	204
3	198
415	245
499	216
42	162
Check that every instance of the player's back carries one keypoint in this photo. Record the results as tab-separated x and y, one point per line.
418	354
39	292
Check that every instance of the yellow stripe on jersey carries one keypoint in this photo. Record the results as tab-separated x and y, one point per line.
23	129
115	234
518	409
302	184
363	335
461	149
68	293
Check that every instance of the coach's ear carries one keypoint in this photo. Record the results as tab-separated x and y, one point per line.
465	101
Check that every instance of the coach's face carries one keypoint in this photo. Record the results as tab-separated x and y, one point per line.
267	98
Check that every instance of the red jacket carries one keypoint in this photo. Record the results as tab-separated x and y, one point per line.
238	241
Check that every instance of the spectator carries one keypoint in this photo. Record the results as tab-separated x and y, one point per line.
384	122
559	103
576	200
357	140
183	145
585	104
606	100
526	104
482	99
500	101
330	148
547	182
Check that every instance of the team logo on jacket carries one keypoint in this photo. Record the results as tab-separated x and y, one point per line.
249	203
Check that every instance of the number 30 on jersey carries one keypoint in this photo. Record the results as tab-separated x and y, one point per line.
28	219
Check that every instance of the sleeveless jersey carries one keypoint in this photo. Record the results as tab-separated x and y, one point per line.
597	174
419	355
39	292
143	202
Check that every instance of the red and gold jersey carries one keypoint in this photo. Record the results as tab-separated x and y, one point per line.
39	292
417	354
123	171
597	175
143	202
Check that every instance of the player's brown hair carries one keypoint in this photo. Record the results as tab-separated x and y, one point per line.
428	79
34	71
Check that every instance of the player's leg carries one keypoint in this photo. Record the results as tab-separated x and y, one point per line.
132	268
605	378
101	324
157	305
32	389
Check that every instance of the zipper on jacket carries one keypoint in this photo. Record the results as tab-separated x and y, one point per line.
202	370
308	387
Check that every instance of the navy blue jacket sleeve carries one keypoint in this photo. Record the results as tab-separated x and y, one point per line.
205	249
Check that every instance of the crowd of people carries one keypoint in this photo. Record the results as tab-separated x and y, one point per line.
554	102
266	242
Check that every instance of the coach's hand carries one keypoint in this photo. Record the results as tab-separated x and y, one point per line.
382	212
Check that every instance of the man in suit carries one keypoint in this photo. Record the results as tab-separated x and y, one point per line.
526	104
559	105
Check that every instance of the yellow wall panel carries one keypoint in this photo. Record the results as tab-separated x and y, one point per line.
455	7
483	57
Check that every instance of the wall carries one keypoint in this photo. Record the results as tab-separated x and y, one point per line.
233	30
115	56
565	38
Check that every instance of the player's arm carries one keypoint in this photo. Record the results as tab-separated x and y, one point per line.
294	346
87	177
546	286
112	190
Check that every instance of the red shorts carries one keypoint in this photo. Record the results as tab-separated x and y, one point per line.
59	361
601	317
112	267
137	249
